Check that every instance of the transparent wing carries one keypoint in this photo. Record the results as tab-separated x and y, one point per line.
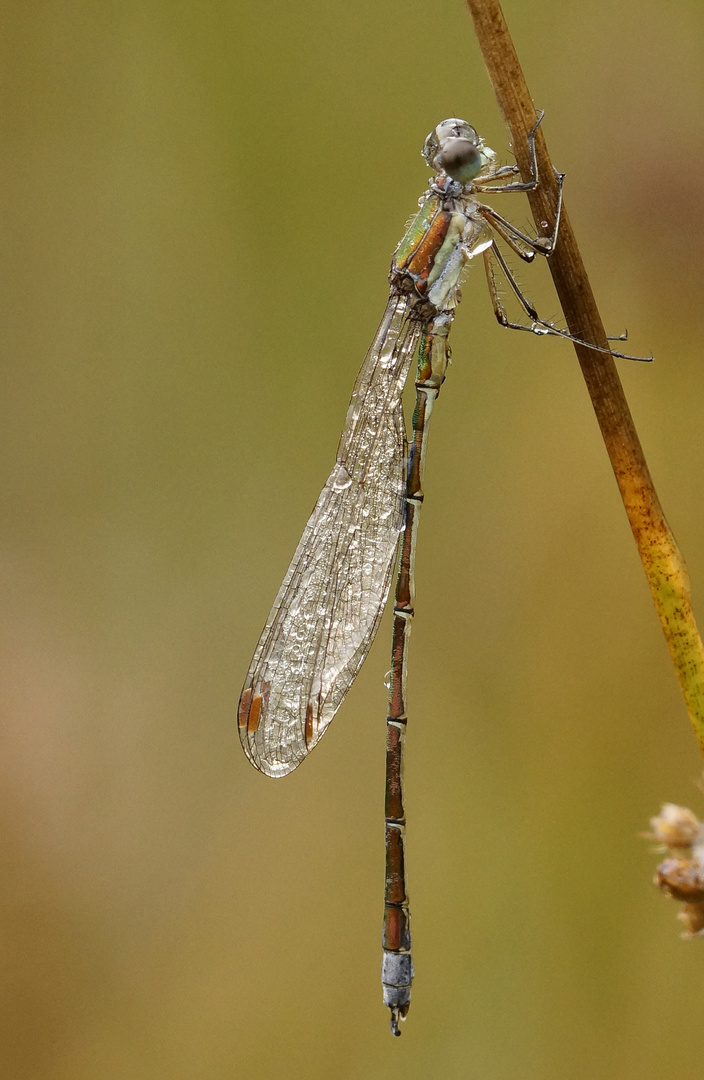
328	608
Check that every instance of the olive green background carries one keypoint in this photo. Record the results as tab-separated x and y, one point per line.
199	202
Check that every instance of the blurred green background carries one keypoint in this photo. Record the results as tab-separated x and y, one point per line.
199	204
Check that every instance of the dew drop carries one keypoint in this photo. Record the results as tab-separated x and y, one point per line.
342	479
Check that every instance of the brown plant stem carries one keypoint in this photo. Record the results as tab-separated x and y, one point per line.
664	566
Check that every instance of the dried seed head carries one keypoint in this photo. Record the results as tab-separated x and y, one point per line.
675	826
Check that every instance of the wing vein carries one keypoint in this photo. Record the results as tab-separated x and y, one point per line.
327	611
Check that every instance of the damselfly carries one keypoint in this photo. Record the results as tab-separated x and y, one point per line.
328	608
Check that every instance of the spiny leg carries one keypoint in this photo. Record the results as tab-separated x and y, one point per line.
538	326
541	245
518	185
499	225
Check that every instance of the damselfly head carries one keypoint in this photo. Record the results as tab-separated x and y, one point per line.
455	148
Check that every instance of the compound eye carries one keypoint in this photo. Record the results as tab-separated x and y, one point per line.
460	159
